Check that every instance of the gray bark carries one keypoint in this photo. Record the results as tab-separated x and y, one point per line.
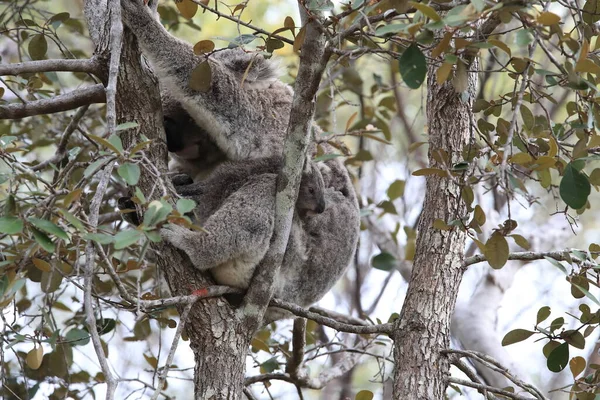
423	329
218	339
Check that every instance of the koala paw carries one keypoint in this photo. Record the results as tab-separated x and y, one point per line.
182	180
175	235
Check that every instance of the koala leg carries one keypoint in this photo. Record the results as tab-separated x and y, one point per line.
238	232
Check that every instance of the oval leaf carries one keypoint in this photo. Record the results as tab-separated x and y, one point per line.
126	238
34	357
577	365
204	46
542	314
130	173
574	187
558	358
496	251
187	8
37	47
201	77
516	336
364	395
11	225
413	67
384	261
48	227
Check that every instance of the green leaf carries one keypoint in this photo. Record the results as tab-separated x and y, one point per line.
384	261
521	241
100	238
38	46
516	336
591	11
93	167
396	190
587	293
11	225
43	240
48	227
185	206
496	250
574	338
126	238
105	325
130	173
574	187
72	219
320	5
364	395
556	263
542	314
116	142
524	37
118	149
413	67
201	77
157	211
558	358
126	125
78	337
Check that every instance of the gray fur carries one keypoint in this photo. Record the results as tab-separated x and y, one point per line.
236	206
248	120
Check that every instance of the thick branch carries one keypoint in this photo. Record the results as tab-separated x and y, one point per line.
64	102
91	66
312	64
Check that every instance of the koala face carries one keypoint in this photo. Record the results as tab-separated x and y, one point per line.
311	196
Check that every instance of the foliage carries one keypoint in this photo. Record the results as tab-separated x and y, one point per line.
535	130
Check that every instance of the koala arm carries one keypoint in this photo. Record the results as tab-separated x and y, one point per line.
229	112
240	229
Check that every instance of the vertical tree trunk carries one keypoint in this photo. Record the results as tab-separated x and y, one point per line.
218	338
423	329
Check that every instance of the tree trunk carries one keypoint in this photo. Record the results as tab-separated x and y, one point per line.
217	336
423	329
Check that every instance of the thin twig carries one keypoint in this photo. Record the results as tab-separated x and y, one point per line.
330	322
240	22
560	255
61	149
162	376
90	262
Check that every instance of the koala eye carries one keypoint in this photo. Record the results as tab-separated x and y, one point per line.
311	190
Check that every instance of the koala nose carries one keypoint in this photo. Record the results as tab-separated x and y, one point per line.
320	207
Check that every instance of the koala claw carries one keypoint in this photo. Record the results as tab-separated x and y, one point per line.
174	234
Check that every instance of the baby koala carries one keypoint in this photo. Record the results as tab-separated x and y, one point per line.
236	206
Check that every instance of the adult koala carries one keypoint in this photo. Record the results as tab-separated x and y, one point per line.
245	114
236	205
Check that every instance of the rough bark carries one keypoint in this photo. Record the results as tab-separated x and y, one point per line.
423	329
218	339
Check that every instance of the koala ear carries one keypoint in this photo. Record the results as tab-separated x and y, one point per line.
307	165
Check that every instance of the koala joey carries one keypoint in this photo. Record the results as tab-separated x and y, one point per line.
236	206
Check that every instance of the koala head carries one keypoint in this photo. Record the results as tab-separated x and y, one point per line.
311	196
257	71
